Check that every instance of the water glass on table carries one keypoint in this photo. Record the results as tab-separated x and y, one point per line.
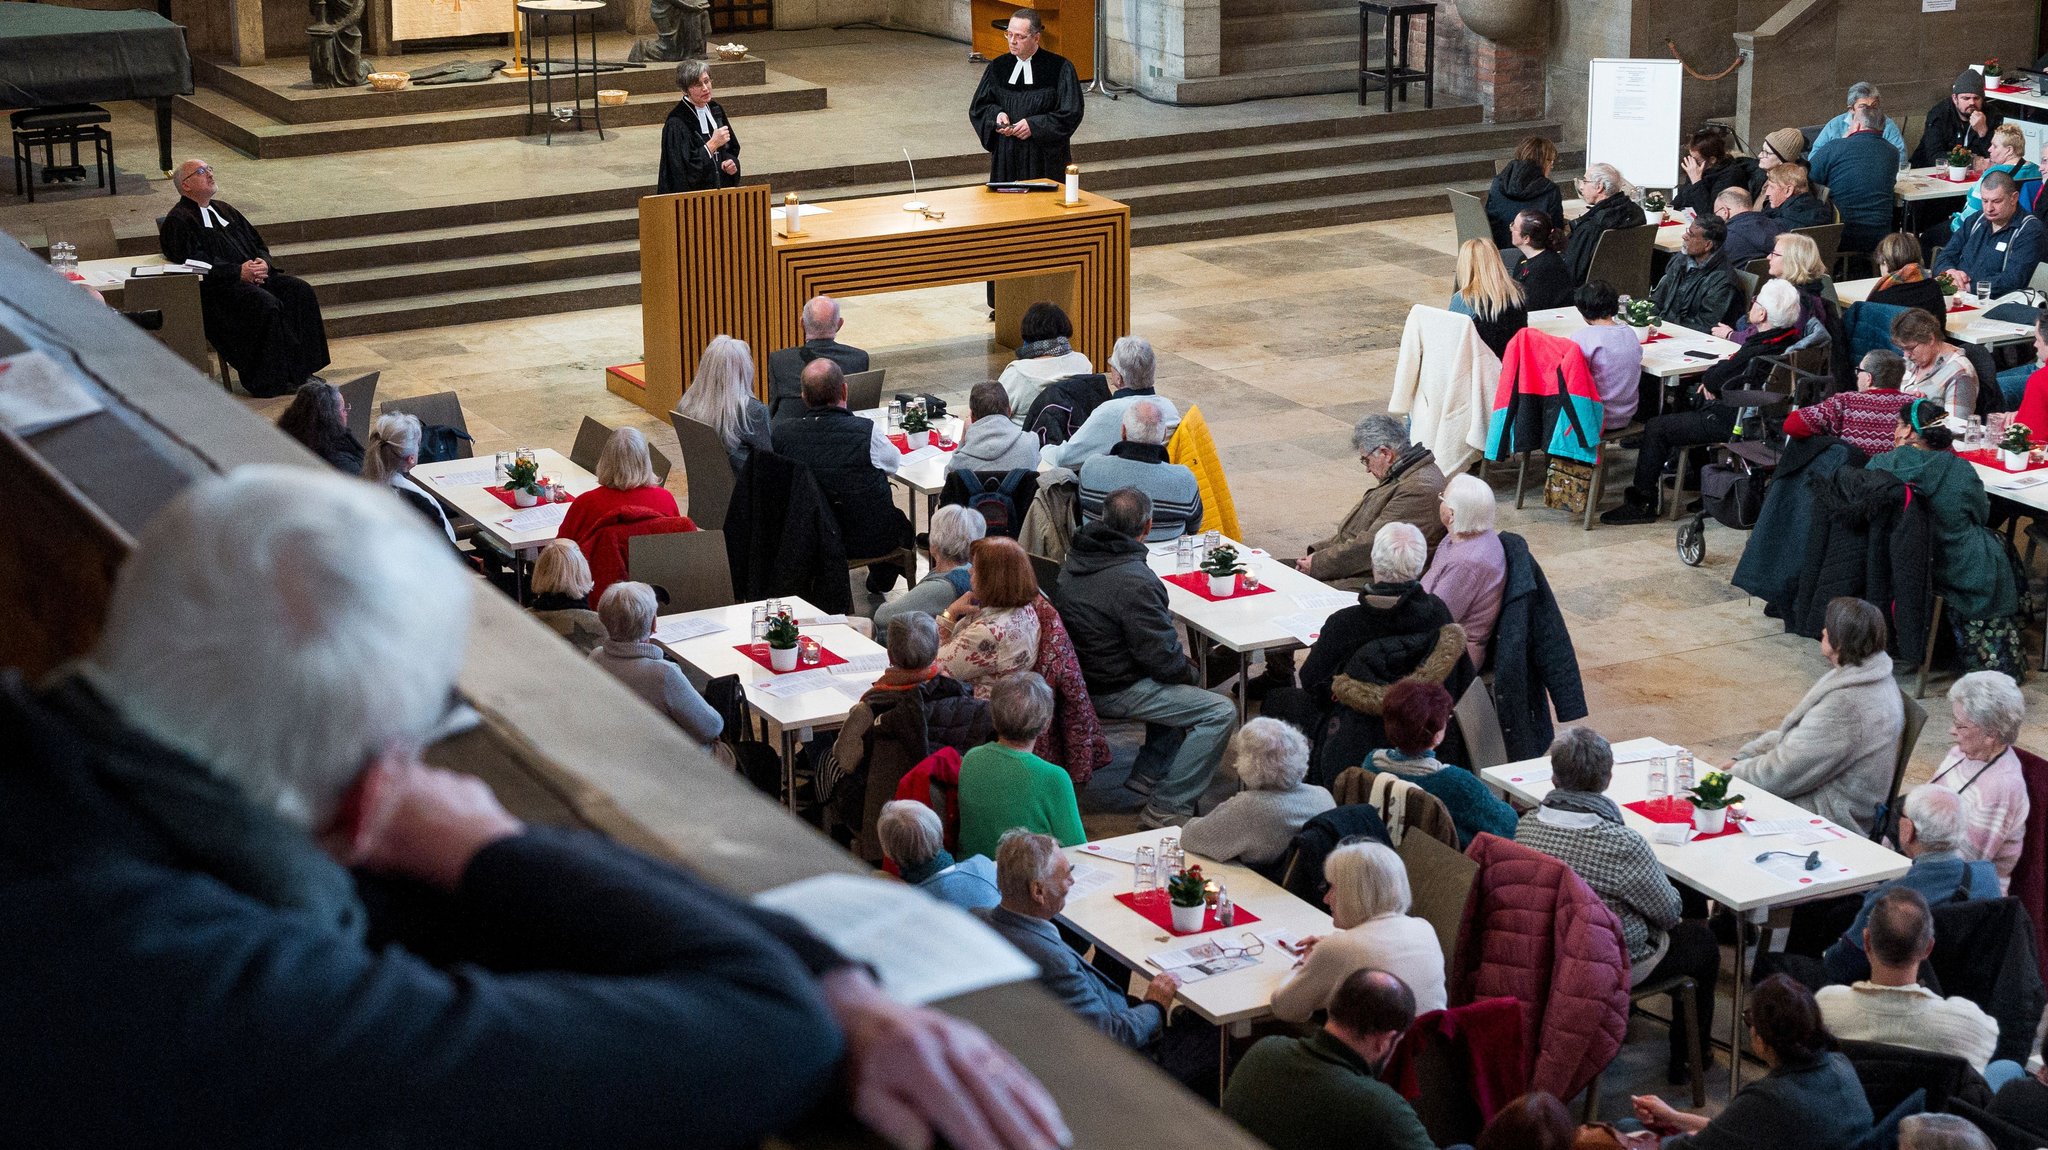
502	464
1660	778
760	622
1687	776
1147	871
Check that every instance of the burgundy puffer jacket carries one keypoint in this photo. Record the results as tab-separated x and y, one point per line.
1534	931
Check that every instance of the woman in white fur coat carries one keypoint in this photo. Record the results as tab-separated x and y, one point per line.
1835	751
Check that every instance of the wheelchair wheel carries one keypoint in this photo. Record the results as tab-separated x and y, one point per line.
1692	541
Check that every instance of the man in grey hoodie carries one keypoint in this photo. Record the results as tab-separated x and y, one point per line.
993	441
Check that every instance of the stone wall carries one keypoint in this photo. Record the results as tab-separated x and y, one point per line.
1506	80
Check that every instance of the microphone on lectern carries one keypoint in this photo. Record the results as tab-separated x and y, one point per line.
915	204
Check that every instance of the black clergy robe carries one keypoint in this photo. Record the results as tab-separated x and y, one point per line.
270	333
1051	101
685	165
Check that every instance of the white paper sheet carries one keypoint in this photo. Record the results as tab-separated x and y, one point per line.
1200	960
681	628
867	665
1324	601
912	458
1672	834
1792	869
2021	482
545	516
468	477
37	392
1645	754
795	683
869	920
1305	626
1119	854
1532	775
1089	879
853	689
1768	828
822	621
802	210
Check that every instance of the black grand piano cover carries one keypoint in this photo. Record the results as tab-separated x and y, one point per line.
52	55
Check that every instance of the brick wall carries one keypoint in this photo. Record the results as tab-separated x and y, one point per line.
1508	82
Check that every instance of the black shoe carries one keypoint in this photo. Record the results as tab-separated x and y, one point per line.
1693	508
1630	512
1631	442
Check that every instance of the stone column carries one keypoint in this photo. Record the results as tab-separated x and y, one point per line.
245	31
1505	78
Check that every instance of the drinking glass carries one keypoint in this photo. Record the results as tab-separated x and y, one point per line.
1211	540
502	463
760	628
1147	871
1686	776
525	455
1184	553
895	417
1660	778
1172	860
1973	436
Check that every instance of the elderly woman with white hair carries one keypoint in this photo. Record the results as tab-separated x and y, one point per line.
1986	710
393	451
1470	569
722	398
914	839
561	595
625	478
630	655
955	530
1256	825
1610	204
1369	899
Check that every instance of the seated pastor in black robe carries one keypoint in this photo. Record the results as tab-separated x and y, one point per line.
685	164
1040	88
264	323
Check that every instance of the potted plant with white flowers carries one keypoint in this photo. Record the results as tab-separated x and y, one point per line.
781	639
2015	446
917	426
1222	568
1653	207
1641	317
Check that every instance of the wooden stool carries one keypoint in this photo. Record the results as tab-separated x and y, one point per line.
1396	16
49	128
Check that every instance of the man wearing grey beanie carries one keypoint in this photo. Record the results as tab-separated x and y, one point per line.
1962	119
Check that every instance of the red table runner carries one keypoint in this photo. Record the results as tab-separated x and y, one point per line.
1158	910
2011	89
1198	583
1990	458
902	442
1655	336
505	497
1677	810
758	652
1943	177
1956	306
1672	224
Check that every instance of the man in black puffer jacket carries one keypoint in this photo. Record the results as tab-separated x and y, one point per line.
1115	609
1607	208
1524	185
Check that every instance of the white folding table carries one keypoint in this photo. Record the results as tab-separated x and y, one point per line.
1725	869
1967	326
1231	1001
463	485
925	478
789	718
1246	623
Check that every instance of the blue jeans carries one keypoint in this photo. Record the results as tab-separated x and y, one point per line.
1185	728
2013	383
2001	1072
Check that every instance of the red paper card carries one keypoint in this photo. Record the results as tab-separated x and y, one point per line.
902	442
758	652
1990	458
1677	810
1957	306
1158	910
505	497
1198	583
1672	224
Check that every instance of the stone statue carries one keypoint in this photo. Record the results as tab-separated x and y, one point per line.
682	28
334	44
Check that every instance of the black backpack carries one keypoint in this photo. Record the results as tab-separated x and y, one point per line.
440	442
997	499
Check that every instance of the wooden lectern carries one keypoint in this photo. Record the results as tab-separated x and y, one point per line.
1069	30
710	264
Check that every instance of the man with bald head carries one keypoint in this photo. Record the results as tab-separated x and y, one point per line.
852	459
264	323
821	323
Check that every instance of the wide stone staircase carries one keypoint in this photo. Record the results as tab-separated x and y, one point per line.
535	255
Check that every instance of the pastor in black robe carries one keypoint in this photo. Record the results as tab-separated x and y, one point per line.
685	165
1051	100
270	333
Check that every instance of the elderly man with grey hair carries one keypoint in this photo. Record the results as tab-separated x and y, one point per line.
1986	711
1862	95
821	321
1941	1132
1140	461
1578	825
1933	833
955	528
1609	205
1256	825
181	812
1132	365
1406	487
914	838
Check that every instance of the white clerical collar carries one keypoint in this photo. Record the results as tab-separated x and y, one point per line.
1023	69
210	215
704	120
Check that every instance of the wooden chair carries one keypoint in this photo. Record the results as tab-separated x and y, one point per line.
864	389
1479	725
1927	656
591	436
94	238
1622	258
1468	212
1596	488
442	407
689	565
184	327
707	471
1909	737
1440	881
360	393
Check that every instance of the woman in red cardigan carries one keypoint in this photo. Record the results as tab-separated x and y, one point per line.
625	476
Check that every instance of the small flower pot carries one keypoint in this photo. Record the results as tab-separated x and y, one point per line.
782	659
1958	174
917	439
1644	332
2013	460
522	497
1188	919
1222	586
1710	822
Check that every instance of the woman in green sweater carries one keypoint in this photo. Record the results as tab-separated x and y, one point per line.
1416	715
1003	785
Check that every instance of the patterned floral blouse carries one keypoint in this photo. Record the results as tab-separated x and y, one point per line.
991	644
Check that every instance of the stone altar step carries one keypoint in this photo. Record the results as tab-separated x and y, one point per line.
470	305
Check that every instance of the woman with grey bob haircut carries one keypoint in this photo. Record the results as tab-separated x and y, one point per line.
955	530
1369	900
1256	825
1986	710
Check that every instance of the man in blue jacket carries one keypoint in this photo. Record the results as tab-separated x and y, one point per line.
1995	251
191	962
